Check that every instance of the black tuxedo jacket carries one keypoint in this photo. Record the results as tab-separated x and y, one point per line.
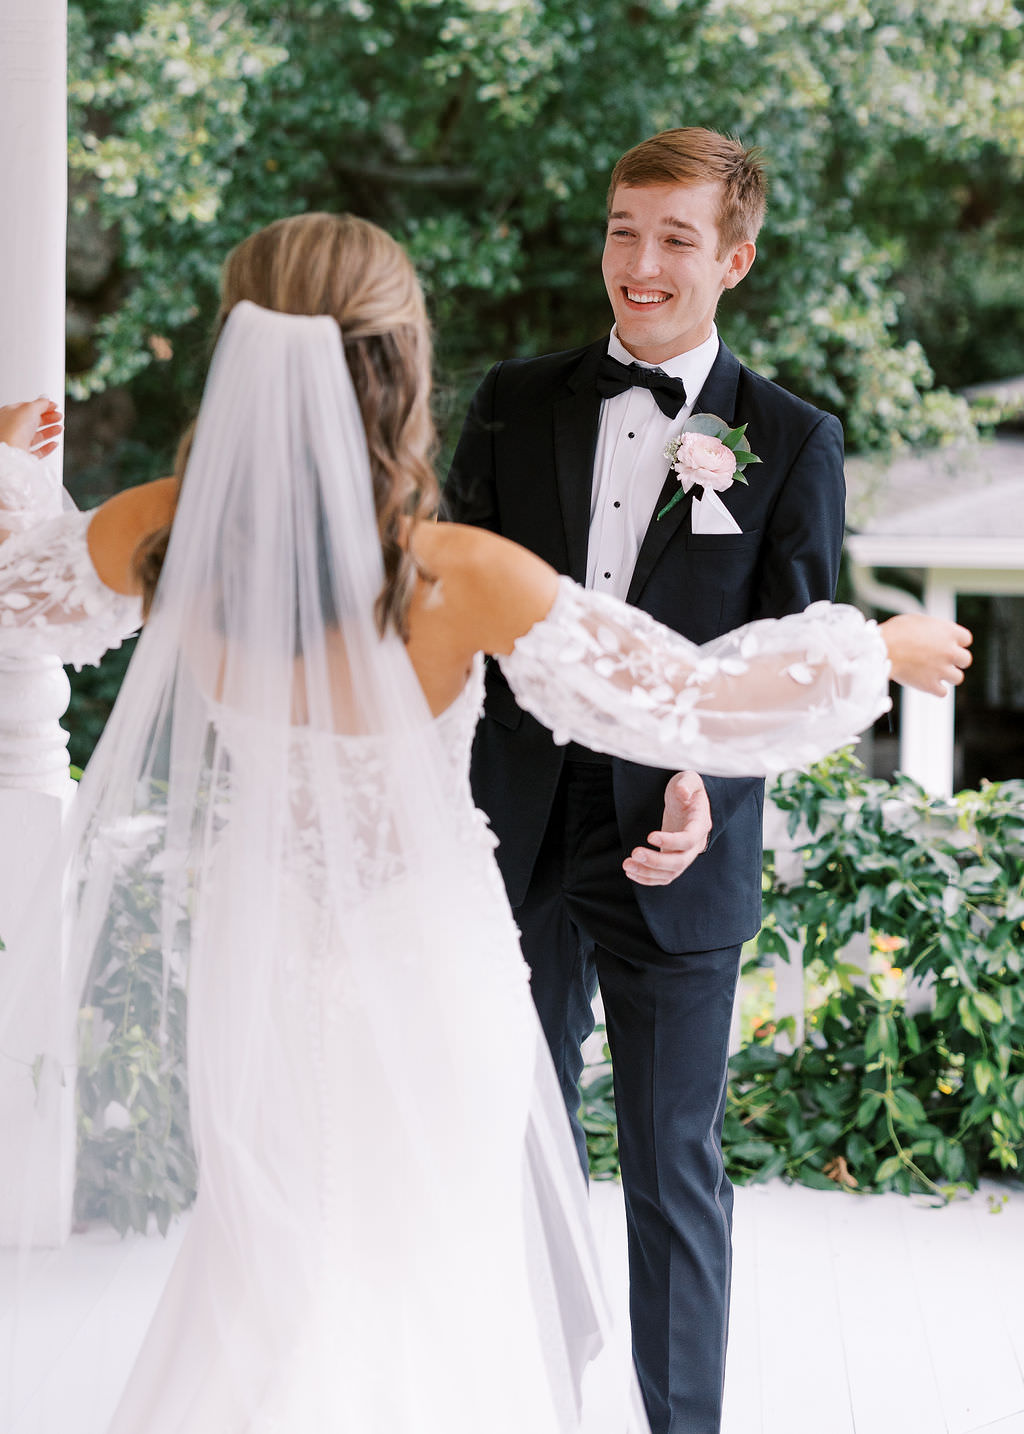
524	468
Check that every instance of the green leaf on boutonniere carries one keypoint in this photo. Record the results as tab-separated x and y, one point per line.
733	437
709	424
742	456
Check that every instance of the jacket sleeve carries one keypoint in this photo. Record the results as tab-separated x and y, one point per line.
470	492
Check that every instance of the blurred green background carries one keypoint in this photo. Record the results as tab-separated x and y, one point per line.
482	133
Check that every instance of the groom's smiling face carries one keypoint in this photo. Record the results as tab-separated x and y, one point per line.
664	268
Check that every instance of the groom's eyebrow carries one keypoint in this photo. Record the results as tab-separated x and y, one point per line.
669	221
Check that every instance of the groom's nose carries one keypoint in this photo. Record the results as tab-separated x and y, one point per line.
645	261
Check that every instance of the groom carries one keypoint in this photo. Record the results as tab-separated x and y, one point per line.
648	881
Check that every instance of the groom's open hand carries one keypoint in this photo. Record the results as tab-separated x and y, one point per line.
685	830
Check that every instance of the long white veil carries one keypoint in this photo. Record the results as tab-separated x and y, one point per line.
390	1233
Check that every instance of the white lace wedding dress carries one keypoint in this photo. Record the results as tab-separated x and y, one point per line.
390	1235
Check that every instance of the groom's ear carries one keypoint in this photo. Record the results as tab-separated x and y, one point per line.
739	264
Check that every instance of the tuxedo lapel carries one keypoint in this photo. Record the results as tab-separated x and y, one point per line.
718	396
659	533
576	418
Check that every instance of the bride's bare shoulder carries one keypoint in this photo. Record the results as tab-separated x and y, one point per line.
474	553
498	589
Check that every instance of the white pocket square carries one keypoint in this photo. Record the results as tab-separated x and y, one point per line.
710	515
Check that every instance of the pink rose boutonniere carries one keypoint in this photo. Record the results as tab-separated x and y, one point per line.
707	453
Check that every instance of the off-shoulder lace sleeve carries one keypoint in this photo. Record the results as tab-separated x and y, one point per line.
30	490
772	695
52	599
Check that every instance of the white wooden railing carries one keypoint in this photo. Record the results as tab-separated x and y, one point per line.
789	994
789	997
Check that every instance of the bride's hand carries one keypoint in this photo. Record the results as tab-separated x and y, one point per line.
927	652
34	426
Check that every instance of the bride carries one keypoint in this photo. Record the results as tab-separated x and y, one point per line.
390	1235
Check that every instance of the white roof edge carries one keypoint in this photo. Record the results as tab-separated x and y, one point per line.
900	550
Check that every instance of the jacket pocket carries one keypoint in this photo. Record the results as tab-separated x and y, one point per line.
723	542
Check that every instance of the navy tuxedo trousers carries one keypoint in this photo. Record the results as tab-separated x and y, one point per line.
668	1018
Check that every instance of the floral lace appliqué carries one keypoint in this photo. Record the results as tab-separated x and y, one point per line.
51	597
772	695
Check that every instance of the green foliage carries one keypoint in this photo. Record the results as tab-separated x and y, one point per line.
597	1114
965	301
172	88
911	1076
482	135
135	1155
890	1091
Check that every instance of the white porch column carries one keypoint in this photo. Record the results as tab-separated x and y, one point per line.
34	781
926	723
33	196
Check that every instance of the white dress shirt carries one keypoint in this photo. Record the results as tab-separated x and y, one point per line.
630	464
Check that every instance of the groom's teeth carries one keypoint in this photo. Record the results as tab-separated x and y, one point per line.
645	298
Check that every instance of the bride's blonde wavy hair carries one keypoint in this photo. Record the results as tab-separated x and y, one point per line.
346	267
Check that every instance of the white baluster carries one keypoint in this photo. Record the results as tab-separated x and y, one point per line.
789	969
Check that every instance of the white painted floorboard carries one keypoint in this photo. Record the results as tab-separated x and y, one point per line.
850	1315
876	1314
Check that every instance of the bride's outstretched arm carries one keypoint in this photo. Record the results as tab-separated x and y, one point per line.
29	490
771	695
66	580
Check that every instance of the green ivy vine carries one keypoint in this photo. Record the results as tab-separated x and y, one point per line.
910	1076
135	1156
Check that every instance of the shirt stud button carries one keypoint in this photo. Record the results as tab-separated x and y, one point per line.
607	575
616	504
630	435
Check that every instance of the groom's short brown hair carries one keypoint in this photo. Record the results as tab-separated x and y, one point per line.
701	156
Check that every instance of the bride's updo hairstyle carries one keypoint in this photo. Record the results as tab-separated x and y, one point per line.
346	267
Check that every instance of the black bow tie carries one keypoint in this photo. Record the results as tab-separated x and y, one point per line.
614	378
